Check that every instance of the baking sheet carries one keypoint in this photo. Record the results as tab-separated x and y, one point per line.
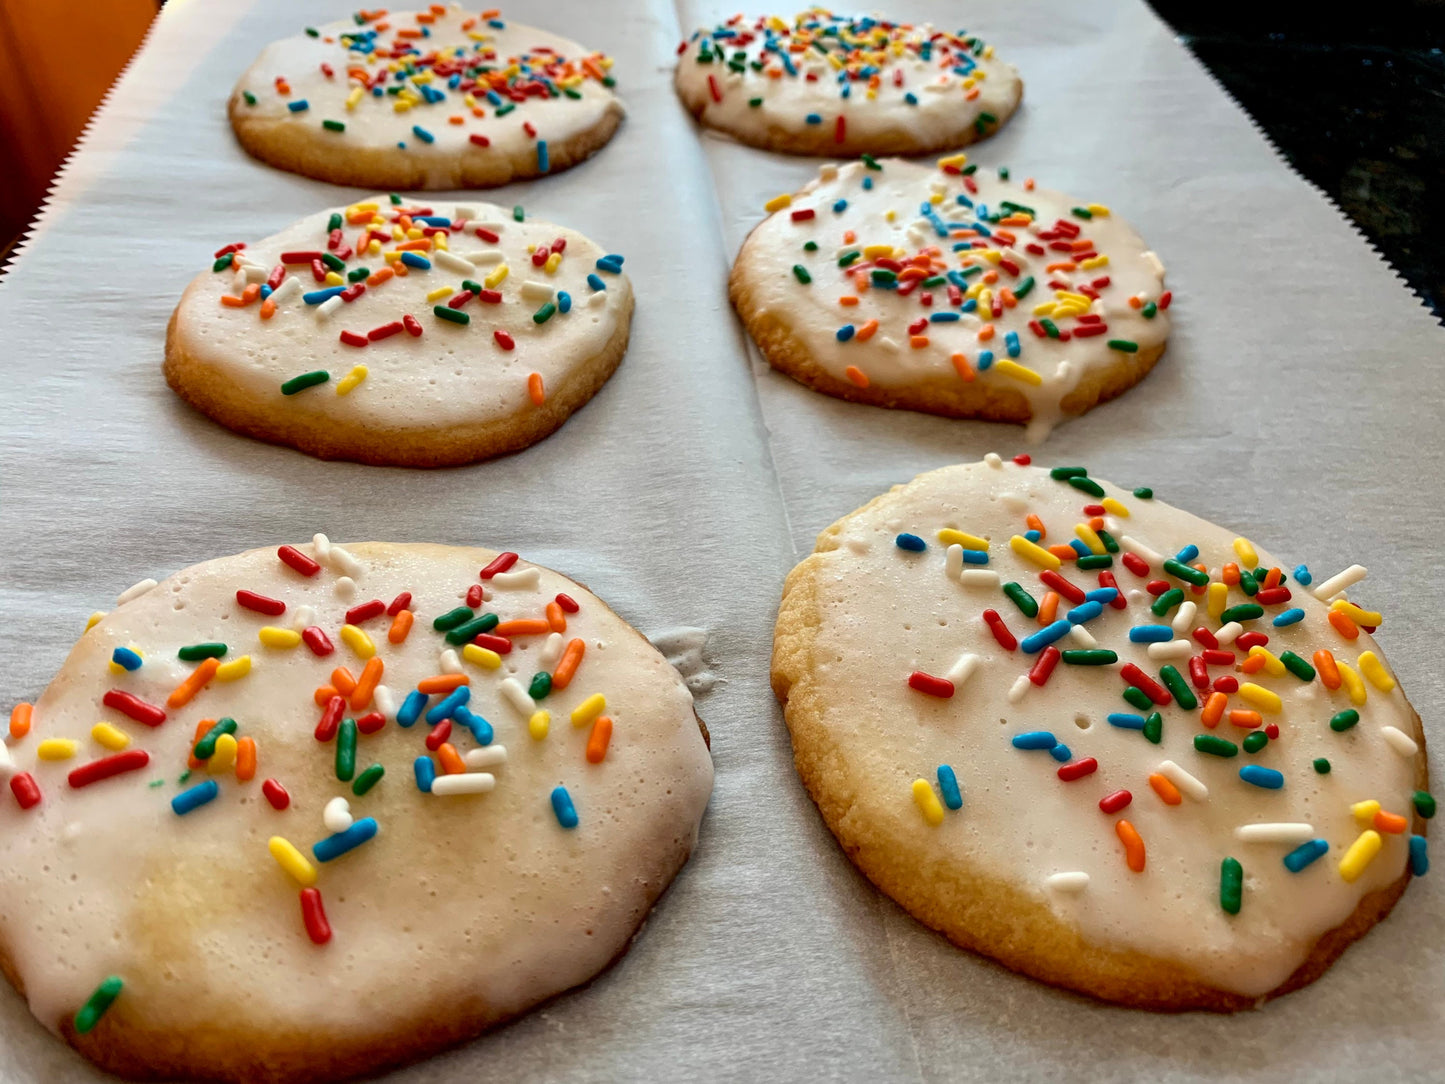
1296	402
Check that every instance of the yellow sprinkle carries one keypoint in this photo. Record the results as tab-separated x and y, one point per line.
358	641
777	203
113	738
357	208
415	234
1089	538
236	668
373	247
1115	507
492	281
272	636
439	293
347	384
1375	670
589	709
1098	210
421	77
1353	685
1045	308
1093	262
92	619
937	197
224	757
334	279
117	668
992	255
956	160
889	215
1361	853
353	97
1019	372
1217	599
928	803
949	537
400	104
57	749
1076	299
292	861
1245	552
481	656
470	101
1260	697
1272	666
872	252
538	724
552	262
1037	554
1364	812
1360	617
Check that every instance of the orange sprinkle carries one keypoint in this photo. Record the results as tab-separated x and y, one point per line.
1168	794
1096	523
1048	608
1066	265
535	391
1230	574
1245	718
985	333
1028	184
232	302
478	111
1133	845
963	368
452	762
323	694
847	299
442	683
592	68
456	118
367	683
1253	664
344	680
1273	576
1213	710
421	244
525	626
1390	822
1036	524
20	719
598	739
849	237
1199	588
1344	626
376	278
251	292
568	663
918	342
400	626
1081	246
186	690
192	761
856	376
990	277
268	309
556	618
1007	297
971	94
1063	552
1136	302
245	759
866	331
1329	672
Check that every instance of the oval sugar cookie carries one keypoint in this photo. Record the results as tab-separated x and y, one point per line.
304	813
951	291
437	99
403	334
1105	742
839	86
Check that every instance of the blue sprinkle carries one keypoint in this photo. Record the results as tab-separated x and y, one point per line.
1288	617
494	98
563	807
422	134
839	206
496	24
975	557
443	709
426	773
962	200
1033	536
867	183
611	263
335	846
1105	595
944	317
1012	341
1302	576
1085	611
300	105
1188	553
1126	720
411	259
594	280
315	297
911	98
1419	859
197	796
480	728
432	220
1080	548
969	306
844	333
266	291
125	657
1259	776
564	301
1304	854
1045	636
1150	634
543	162
813	118
1061	753
1035	739
985	357
953	797
411	708
910	542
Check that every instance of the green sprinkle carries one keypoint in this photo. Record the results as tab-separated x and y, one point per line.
336	263
545	313
1167	601
452	618
250	98
1245	611
1091	561
1260	573
1021	291
1087	485
1217	747
801	274
1154	726
357	274
848	258
1051	329
518	214
156	783
1424	804
1231	885
1081	212
883	275
1149	311
197	652
1255	740
334	222
970	169
1137	697
503	110
304	381
936	280
1175	683
1108	540
223	262
1344	720
474	287
333	125
1249	585
367	779
574	95
206	747
1124	346
812	246
1063	474
395	199
100	1001
1297	666
181	779
871	162
1184	572
1003	173
1098	656
541	685
312	32
456	316
462	633
346	750
1022	599
1144	493
1322	765
754	102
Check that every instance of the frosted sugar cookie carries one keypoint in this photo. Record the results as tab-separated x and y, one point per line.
425	99
1109	744
952	291
310	812
839	86
407	334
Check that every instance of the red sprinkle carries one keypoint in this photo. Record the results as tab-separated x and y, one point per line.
440	733
491	297
1147	685
500	644
294	558
271	607
803	214
371	722
134	706
376	334
1047	660
1062	586
1135	564
25	789
1006	639
105	767
1198	673
1228	684
1272	596
330	721
568	603
1157	587
1272	731
275	794
313	914
1112	803
500	563
1078	769
1023	460
481	141
412	325
487	235
234	246
474	595
840	129
1248	640
365	611
401	602
713	88
300	257
1208	639
1217	657
316	639
927	683
1118	602
505	341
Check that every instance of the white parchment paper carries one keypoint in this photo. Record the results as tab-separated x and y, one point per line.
1298	401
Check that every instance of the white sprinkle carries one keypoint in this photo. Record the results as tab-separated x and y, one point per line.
891	345
488	756
533	290
7	764
1013	502
337	815
344	563
1227	634
1274	833
290	285
465	212
1399	741
1338	582
384	702
551	650
1076	881
255	273
1184	617
828	172
994	460
327	307
526	577
465	783
448	662
320	547
1135	546
978	577
1183	780
135	590
486	256
1083	636
1172	649
303	617
962	670
1155	263
953	561
345	587
1019	687
596	299
515	695
452	262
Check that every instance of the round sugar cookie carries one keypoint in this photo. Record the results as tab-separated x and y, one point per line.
402	334
840	87
951	291
439	99
1033	715
306	813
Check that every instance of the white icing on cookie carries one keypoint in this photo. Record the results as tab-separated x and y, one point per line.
885	612
873	82
945	303
460	906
